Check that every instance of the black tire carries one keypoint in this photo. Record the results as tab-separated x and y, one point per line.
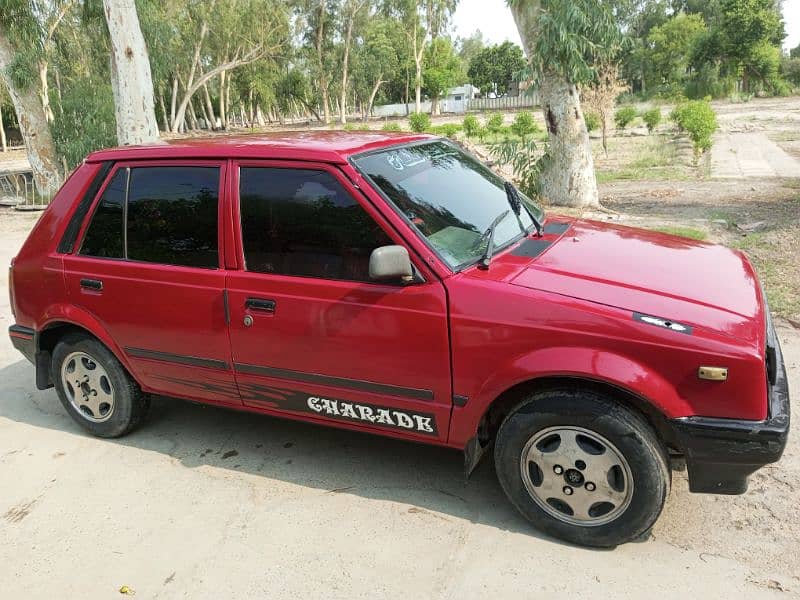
634	439
130	404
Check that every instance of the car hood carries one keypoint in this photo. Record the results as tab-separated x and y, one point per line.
674	278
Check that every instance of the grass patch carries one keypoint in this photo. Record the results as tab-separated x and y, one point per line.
687	232
655	158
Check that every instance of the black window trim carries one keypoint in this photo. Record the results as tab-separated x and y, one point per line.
97	197
456	269
70	237
305	165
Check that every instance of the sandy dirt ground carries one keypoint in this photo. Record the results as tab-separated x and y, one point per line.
207	503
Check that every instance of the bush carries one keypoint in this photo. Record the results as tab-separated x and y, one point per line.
593	122
447	129
652	118
419	122
625	116
391	127
699	121
471	125
524	124
495	123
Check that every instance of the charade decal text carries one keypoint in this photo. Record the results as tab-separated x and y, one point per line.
369	414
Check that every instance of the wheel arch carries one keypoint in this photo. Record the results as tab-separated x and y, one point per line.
56	327
508	400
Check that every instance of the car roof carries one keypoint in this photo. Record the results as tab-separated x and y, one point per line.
325	146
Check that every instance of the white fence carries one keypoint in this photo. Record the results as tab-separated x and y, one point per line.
459	107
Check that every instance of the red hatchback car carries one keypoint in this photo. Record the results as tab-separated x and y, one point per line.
394	284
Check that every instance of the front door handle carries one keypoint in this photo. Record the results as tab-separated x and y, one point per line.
92	284
261	304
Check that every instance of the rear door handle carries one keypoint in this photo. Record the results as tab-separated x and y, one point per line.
261	304
92	284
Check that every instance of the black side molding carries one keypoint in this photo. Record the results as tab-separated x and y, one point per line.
67	243
353	384
180	359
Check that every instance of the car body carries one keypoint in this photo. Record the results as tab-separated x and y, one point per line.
674	330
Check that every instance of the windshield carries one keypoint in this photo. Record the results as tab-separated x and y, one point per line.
450	197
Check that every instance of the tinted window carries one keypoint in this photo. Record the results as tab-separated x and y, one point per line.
302	222
172	215
104	236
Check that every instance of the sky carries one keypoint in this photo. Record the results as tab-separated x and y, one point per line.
493	18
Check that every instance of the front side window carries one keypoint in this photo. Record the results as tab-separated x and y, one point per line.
449	197
164	215
302	222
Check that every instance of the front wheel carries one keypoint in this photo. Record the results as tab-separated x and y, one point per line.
582	468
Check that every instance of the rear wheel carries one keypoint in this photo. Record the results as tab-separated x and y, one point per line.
582	468
94	387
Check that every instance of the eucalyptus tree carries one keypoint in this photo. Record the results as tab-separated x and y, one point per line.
353	12
131	78
564	40
226	35
318	20
377	59
21	46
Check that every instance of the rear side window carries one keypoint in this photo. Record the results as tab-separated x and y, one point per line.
162	215
303	222
105	233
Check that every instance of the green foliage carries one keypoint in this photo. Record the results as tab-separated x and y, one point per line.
625	116
652	118
790	70
670	47
495	123
567	38
593	122
443	68
447	129
526	159
493	69
524	124
86	120
391	127
471	125
419	122
698	119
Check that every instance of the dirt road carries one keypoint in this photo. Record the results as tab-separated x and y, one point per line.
207	503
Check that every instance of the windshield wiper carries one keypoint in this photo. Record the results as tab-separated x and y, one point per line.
512	194
487	256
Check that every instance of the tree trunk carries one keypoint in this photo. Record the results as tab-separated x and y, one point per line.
164	115
435	106
567	177
32	125
345	61
131	79
372	95
223	113
192	116
44	91
209	107
3	144
173	101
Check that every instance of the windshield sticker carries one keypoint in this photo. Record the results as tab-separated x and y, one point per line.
400	160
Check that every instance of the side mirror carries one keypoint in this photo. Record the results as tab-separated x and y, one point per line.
390	262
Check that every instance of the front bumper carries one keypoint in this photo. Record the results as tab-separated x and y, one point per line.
721	453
